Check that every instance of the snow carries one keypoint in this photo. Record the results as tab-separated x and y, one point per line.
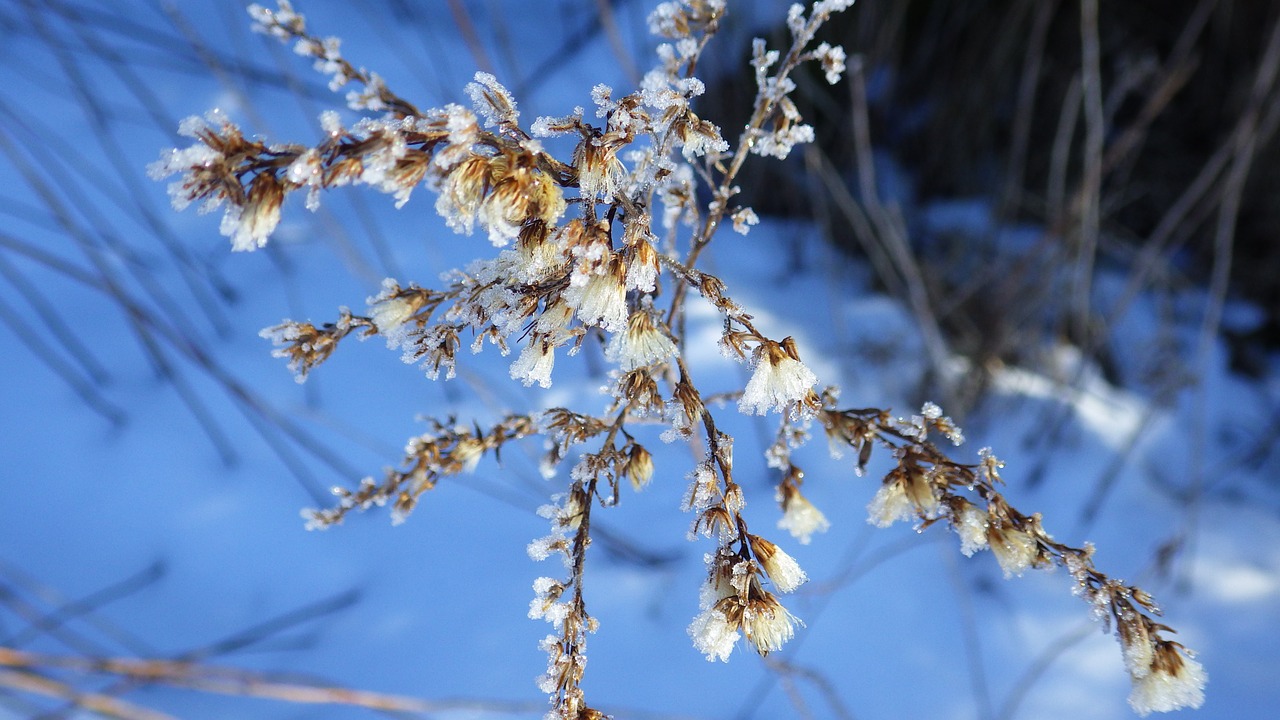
438	606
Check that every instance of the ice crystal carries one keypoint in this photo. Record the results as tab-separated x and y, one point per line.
702	491
743	219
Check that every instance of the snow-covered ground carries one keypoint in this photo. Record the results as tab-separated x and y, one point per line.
898	624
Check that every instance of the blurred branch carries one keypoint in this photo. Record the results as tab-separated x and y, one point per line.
892	233
234	681
1055	650
1015	170
462	20
1090	193
66	610
30	682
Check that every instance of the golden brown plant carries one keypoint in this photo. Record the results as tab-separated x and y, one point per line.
575	257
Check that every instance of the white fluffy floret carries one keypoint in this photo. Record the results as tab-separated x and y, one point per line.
802	519
534	364
1014	549
1165	691
971	526
784	571
778	381
642	343
889	505
713	635
768	626
600	299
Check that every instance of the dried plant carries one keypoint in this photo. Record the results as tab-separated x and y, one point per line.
604	246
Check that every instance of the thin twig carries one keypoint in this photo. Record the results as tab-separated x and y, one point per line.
891	232
30	682
1086	247
1220	277
1020	136
234	681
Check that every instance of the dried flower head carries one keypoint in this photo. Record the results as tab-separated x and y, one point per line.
799	516
781	568
1014	549
780	382
642	343
971	524
1173	682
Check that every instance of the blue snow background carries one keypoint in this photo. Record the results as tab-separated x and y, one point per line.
197	510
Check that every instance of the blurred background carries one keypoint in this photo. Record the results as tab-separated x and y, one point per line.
1054	217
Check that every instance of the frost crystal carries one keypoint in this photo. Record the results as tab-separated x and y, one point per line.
779	143
832	59
545	603
795	18
542	548
602	96
702	488
743	219
826	7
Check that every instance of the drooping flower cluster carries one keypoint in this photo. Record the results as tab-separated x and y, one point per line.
927	485
735	602
444	450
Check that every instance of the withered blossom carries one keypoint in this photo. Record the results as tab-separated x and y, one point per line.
971	525
782	569
744	607
639	467
597	290
1173	681
890	505
642	343
535	363
799	516
1014	549
780	382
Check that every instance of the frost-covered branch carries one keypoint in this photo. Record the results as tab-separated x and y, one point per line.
573	257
